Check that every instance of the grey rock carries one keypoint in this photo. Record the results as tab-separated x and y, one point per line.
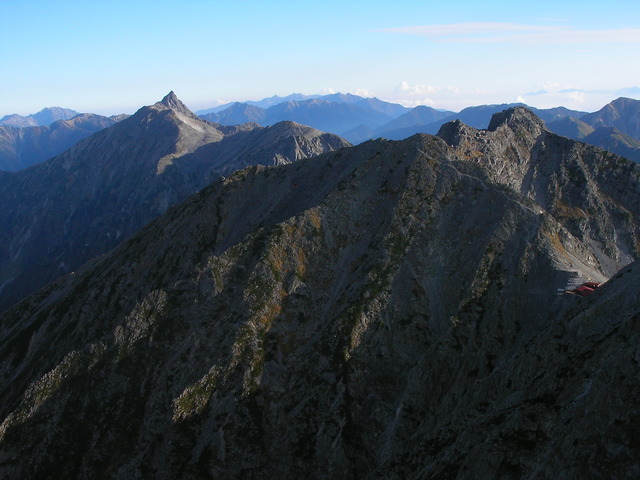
384	311
57	215
574	182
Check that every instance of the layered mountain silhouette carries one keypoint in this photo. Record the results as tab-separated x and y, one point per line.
615	127
263	104
571	127
384	311
337	113
423	119
623	114
403	126
359	119
612	139
22	147
57	215
43	118
618	123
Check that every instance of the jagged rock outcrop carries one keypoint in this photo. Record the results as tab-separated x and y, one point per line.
591	191
59	214
384	311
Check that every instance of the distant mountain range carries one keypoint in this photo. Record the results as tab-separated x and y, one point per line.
358	119
384	311
57	215
336	113
21	147
355	118
615	127
43	118
264	103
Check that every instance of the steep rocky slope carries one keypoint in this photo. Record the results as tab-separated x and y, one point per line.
592	192
57	215
23	147
385	311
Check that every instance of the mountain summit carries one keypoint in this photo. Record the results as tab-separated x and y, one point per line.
574	182
61	213
517	118
173	102
383	311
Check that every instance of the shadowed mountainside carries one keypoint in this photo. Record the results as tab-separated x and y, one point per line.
59	214
615	127
384	311
22	147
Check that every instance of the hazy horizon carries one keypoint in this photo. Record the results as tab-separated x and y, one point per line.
115	57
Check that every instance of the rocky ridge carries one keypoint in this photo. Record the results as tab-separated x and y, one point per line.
59	214
591	191
384	311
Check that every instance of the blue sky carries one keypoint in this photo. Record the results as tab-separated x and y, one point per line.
114	56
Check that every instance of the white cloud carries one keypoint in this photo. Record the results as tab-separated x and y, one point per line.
327	91
450	97
578	98
414	95
550	88
363	92
416	102
415	90
493	32
545	95
554	95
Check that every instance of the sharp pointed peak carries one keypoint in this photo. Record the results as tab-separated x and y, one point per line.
169	97
172	101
